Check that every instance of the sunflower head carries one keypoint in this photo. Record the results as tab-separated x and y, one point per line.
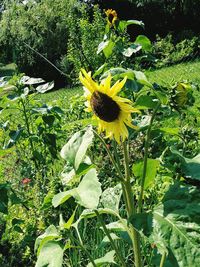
111	16
181	96
104	106
112	112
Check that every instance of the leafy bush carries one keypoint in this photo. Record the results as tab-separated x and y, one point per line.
87	27
54	29
169	52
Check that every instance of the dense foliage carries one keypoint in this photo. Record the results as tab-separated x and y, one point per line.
54	29
59	32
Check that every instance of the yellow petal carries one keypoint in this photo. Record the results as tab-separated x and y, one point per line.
105	84
117	87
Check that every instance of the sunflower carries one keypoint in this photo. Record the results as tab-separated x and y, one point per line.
181	96
111	16
112	112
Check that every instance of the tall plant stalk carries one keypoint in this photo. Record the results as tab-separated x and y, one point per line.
131	208
146	148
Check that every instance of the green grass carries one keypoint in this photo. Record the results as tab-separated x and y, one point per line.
60	94
185	71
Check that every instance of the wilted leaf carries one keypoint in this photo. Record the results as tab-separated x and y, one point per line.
30	81
110	198
45	87
133	48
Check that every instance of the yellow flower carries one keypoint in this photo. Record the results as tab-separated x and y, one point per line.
111	16
112	112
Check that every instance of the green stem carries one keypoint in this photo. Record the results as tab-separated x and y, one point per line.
120	258
146	148
163	259
131	208
121	177
28	129
83	249
22	203
116	153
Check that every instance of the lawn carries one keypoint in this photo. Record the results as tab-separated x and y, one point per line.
185	71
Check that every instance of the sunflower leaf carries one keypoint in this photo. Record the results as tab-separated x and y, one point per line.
51	255
75	150
151	171
144	42
87	193
176	224
190	167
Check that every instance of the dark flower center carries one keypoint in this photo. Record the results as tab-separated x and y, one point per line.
110	18
104	107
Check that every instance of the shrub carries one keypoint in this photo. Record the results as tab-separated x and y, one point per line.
52	28
84	37
169	52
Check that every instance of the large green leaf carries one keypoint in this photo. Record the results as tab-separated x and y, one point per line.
109	49
75	149
124	23
142	222
61	197
106	259
141	78
146	102
119	73
87	193
102	45
106	47
50	233
89	190
51	255
190	167
176	224
152	166
144	42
